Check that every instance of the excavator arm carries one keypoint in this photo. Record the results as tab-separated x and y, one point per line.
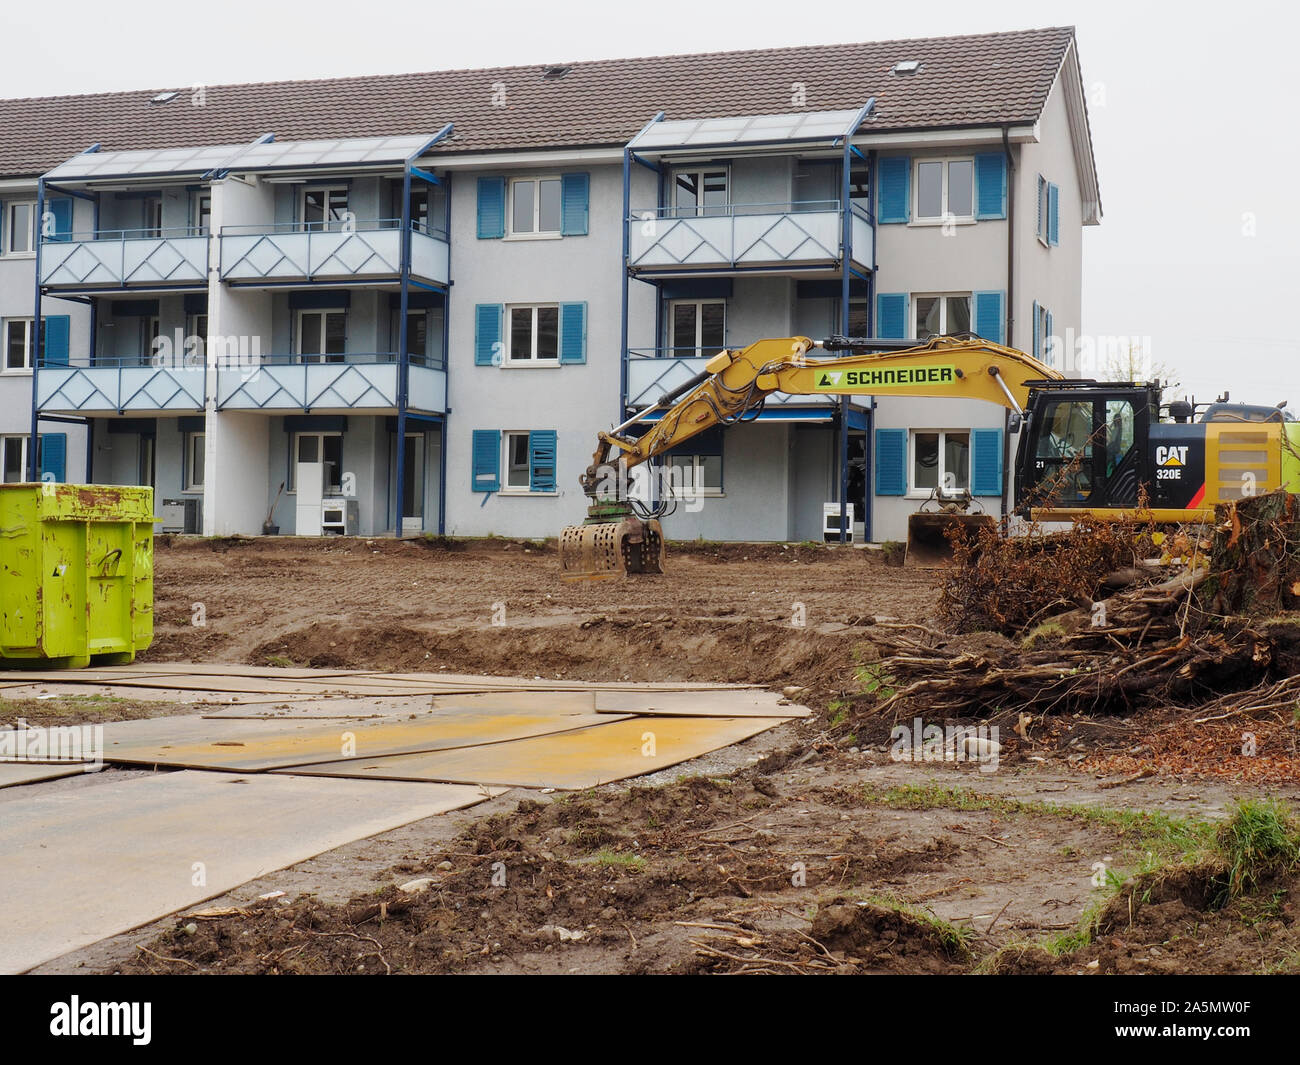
734	386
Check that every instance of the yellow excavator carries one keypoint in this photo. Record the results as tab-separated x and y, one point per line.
1085	447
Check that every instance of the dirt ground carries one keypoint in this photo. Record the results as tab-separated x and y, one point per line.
806	849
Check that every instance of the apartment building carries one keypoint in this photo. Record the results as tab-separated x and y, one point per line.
407	303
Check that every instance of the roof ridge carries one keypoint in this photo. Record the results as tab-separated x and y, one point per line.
136	94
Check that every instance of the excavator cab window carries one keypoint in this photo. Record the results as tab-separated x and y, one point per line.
1085	449
1064	457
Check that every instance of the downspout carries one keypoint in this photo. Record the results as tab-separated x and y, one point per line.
846	260
622	269
446	362
1008	474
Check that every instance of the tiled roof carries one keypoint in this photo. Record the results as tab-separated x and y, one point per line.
963	81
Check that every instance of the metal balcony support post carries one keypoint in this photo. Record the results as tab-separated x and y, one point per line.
33	473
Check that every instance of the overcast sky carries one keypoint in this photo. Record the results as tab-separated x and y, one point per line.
1192	117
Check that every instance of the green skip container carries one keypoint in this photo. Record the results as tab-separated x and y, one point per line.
76	574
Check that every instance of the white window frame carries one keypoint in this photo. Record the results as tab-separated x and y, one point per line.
1046	349
532	358
327	225
913	492
969	297
699	323
191	439
700	210
507	488
9	230
23	444
536	233
697	468
316	356
943	217
26	368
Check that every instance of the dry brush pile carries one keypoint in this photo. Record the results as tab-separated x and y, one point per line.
1111	619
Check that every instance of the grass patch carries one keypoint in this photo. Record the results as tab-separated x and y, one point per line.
620	860
875	681
279	662
1259	838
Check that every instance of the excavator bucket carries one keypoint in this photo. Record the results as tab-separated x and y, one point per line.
611	549
928	543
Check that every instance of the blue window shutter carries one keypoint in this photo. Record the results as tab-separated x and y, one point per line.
487	333
485	462
573	332
1049	349
894	174
990	185
989	320
891	315
541	460
54	456
1038	334
574	196
61	211
1053	215
986	462
1038	208
491	207
891	462
54	351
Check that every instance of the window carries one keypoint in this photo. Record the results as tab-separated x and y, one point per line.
417	334
20	228
151	215
941	315
325	448
945	188
196	338
1065	450
18	344
194	461
696	474
535	207
149	333
534	334
1048	227
700	192
697	326
13	459
325	208
857	319
529	461
940	460
1044	345
322	336
201	209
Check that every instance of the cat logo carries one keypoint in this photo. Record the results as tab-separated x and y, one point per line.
1171	456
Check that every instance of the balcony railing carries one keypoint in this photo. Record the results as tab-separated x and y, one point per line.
354	381
653	371
369	249
120	383
741	236
126	258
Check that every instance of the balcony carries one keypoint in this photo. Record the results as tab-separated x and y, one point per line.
653	371
120	386
773	237
141	259
364	251
352	382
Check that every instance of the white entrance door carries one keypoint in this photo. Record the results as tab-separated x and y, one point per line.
309	478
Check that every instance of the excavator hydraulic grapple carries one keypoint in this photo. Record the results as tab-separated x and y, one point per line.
611	542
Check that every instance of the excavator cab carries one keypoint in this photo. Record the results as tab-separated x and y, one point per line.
1083	447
